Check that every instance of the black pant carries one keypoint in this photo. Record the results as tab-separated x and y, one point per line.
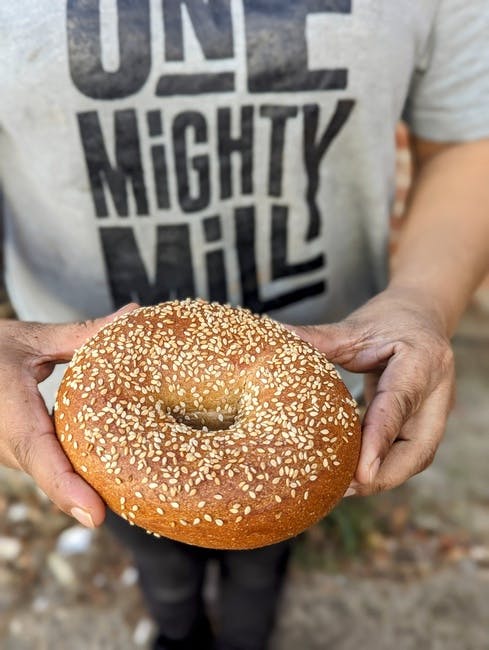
172	576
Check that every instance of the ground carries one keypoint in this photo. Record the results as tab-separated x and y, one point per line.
406	570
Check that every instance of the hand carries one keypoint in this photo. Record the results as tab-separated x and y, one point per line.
28	354
399	339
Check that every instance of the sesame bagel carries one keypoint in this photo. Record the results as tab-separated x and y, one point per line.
208	424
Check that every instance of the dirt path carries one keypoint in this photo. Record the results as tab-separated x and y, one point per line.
421	581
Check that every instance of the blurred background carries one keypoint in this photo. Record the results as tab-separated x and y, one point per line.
408	569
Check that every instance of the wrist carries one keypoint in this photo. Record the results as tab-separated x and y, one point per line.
436	312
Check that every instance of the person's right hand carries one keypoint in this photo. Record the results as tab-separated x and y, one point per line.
28	354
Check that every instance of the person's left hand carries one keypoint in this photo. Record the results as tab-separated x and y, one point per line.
399	339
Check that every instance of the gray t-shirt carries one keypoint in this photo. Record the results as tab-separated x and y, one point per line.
238	150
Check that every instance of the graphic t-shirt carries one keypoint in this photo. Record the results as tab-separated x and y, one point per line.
237	150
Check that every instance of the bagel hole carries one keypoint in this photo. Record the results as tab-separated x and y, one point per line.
212	420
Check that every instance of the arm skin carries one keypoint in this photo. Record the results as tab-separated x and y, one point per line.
400	338
444	249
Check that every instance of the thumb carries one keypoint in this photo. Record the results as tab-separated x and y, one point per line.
334	340
31	445
63	339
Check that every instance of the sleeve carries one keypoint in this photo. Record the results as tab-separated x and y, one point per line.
449	94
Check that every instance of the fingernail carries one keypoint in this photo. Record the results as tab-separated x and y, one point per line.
373	470
351	492
84	517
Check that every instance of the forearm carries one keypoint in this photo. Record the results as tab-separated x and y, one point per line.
444	248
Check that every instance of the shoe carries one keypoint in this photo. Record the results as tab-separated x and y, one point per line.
200	638
189	643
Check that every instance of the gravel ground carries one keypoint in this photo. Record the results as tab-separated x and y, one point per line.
420	578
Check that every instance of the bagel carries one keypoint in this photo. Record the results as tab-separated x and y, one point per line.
208	424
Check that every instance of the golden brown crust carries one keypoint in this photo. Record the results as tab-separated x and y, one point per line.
209	425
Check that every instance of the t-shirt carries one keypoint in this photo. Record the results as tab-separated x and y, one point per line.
238	150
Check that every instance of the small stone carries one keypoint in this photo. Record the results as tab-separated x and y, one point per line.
15	627
10	548
480	555
99	580
17	513
129	576
74	541
142	632
40	604
61	570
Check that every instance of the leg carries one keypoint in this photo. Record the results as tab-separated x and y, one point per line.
250	590
171	575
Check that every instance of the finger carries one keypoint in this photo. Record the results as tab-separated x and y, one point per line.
355	348
34	448
370	385
402	388
63	339
415	451
334	340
